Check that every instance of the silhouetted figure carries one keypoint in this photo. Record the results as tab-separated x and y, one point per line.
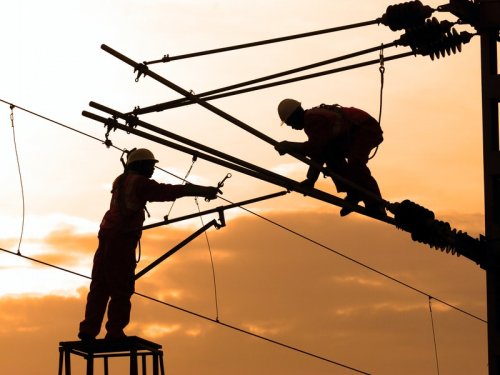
341	137
119	234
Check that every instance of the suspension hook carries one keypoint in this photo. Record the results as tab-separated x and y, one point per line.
381	57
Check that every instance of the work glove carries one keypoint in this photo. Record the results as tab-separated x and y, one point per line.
307	183
211	192
282	147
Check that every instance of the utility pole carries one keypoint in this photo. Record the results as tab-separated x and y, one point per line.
489	26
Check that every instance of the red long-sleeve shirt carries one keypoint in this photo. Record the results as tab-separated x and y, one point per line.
130	193
326	128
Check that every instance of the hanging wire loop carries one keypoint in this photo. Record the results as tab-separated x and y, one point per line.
12	106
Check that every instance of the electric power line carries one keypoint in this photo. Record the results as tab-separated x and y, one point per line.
298	234
241	330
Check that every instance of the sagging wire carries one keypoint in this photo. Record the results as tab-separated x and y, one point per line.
212	263
382	72
359	263
12	106
184	181
234	328
434	335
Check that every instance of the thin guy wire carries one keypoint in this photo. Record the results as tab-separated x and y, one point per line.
382	72
55	122
360	263
20	177
212	263
199	316
184	180
77	131
434	335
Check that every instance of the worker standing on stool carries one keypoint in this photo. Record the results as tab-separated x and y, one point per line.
343	138
113	277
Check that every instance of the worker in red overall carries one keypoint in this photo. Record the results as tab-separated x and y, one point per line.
114	265
342	138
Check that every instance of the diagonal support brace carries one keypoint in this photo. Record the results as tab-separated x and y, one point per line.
179	246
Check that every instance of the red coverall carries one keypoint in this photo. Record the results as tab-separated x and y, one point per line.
114	261
343	138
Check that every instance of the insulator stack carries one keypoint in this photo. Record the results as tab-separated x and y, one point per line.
424	228
431	32
406	15
450	43
434	39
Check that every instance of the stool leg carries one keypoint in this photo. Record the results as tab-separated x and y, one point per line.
155	363
133	362
106	368
162	369
59	372
144	365
67	365
90	365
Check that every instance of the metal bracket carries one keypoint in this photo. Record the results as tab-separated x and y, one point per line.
176	248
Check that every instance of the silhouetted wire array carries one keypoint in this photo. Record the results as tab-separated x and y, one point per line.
270	221
293	348
425	37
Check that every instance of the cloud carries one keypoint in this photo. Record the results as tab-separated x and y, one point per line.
333	297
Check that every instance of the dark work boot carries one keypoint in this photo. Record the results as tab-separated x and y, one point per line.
352	199
376	210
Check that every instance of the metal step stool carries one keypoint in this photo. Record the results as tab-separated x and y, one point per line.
131	346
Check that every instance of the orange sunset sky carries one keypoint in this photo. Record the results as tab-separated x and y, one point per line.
357	296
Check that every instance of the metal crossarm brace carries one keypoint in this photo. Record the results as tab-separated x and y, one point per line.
218	209
176	248
134	121
279	180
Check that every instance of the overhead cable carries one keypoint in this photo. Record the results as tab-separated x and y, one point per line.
434	335
359	263
253	213
241	330
53	121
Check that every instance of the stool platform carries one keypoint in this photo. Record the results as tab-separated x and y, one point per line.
131	346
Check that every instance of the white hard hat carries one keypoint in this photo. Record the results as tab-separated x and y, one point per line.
286	108
139	155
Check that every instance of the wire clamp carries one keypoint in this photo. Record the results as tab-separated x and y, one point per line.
141	69
221	182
